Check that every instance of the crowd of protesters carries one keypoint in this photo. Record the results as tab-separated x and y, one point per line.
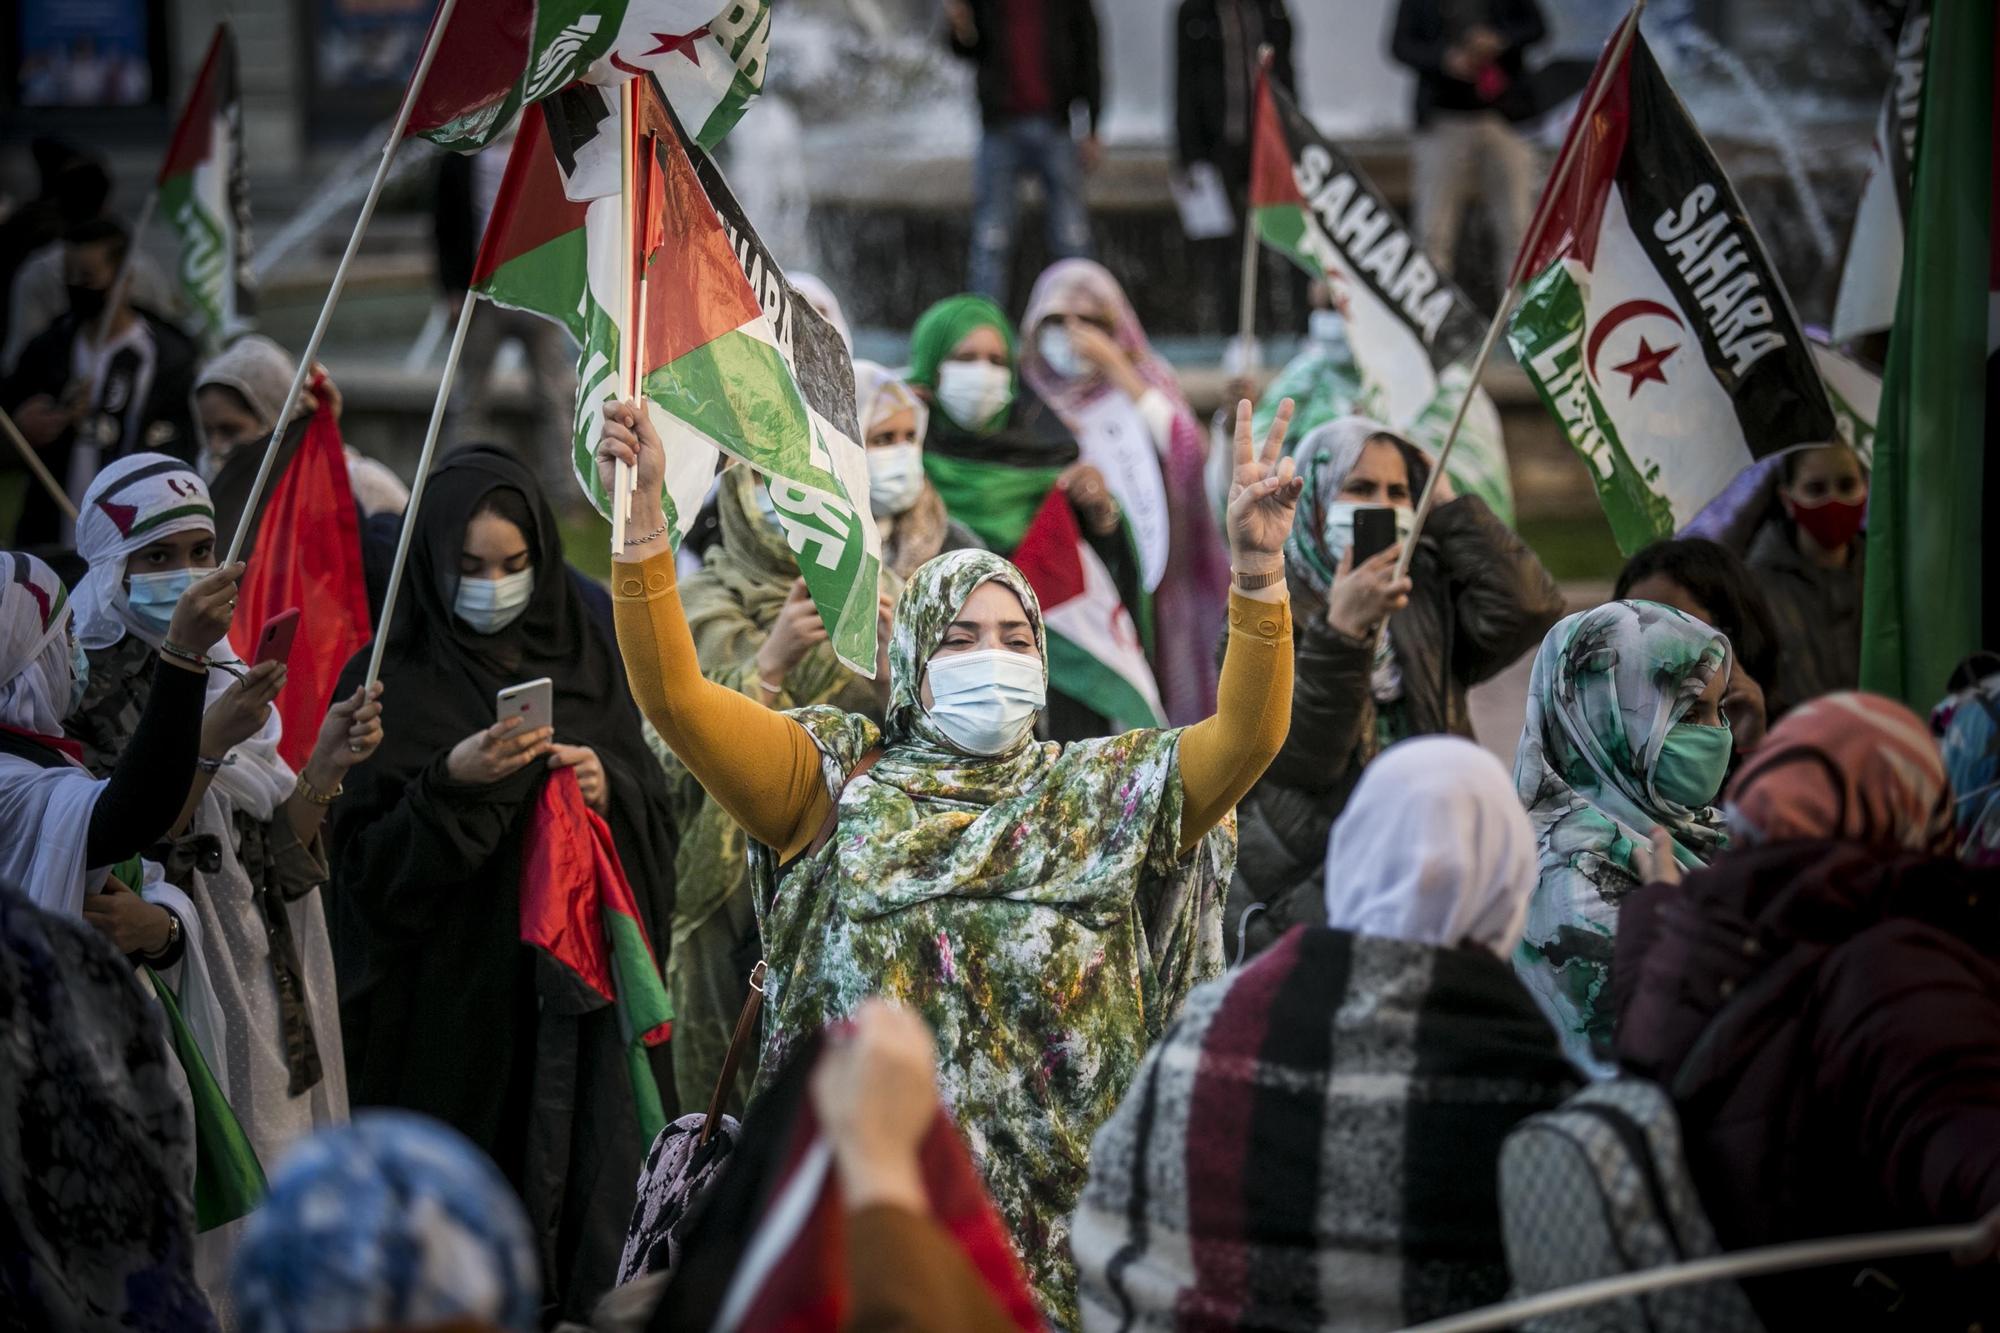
977	1009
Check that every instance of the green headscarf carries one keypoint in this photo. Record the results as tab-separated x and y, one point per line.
1045	884
947	324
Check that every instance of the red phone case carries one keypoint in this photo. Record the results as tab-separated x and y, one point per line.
274	641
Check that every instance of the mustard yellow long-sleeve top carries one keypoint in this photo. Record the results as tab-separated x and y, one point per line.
763	768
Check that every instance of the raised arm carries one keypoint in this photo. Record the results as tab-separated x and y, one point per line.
1222	758
760	766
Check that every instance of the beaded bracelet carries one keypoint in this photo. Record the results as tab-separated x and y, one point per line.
654	535
188	655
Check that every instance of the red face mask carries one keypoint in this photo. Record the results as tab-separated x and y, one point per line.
1831	523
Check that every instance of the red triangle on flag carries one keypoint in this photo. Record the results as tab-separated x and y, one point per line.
1568	220
481	56
1271	180
194	135
530	209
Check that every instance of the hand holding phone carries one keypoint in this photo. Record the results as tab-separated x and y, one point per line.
532	701
1374	532
274	641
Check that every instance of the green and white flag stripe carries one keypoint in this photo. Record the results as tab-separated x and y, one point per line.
203	197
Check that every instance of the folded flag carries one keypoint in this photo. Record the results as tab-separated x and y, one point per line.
1874	266
498	56
312	532
203	196
1413	334
1654	327
1095	654
578	908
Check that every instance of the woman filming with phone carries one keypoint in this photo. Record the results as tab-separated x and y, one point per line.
447	1011
1379	658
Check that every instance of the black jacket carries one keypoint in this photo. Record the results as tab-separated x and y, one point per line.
1203	72
1075	71
1481	599
1424	32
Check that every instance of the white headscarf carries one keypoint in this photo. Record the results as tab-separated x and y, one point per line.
259	370
1433	847
130	505
35	660
821	298
133	503
879	392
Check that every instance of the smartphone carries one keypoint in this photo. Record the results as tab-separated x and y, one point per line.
533	701
274	641
1374	532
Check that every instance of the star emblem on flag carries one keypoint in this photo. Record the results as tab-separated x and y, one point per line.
1645	366
683	42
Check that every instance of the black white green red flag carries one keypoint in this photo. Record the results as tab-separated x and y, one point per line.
1653	325
203	197
732	359
1412	332
499	56
1868	280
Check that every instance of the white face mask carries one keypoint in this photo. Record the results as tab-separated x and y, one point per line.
1057	348
985	702
895	478
1340	526
488	606
974	392
1326	326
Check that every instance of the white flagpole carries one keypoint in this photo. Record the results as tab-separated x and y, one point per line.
311	350
1620	43
38	467
622	479
431	434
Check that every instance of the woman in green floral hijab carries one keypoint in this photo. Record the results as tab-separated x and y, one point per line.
1624	736
1045	908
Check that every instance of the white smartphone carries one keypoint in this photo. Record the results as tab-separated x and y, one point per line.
532	701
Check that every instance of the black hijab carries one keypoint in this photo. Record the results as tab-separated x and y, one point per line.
440	677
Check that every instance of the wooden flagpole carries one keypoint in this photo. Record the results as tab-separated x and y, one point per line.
307	355
1246	300
38	467
1621	42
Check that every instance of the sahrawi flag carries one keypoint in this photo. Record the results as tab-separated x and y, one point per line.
1868	280
1094	647
498	56
203	198
1413	333
732	357
1655	328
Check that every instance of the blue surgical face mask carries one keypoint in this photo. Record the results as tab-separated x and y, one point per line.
986	701
153	597
1693	762
1059	351
488	606
79	674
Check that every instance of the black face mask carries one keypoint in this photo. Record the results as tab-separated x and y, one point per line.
86	303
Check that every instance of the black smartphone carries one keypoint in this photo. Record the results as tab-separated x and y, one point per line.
1374	533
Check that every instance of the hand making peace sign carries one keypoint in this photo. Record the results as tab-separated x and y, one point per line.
1262	495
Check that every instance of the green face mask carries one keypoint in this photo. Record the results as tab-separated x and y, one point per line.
1693	762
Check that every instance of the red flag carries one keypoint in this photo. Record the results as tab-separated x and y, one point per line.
309	557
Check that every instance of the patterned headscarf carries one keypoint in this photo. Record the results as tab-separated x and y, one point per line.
393	1221
1607	685
1324	459
130	505
1968	724
1851	767
1433	847
35	660
1085	287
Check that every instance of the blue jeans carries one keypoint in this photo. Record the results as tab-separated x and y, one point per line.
1007	152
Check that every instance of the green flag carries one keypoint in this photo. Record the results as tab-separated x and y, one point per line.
1926	577
228	1179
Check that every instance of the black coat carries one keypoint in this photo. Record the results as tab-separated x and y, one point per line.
1827	1018
166	423
1480	600
1423	34
444	1009
1075	69
1202	74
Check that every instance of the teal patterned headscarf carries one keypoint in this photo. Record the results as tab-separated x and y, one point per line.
1324	459
1607	685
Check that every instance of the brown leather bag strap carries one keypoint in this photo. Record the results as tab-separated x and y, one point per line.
739	1041
832	820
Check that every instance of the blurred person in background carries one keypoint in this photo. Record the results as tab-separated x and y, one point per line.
909	512
1809	559
1967	724
1088	358
1038	70
1472	94
1707	580
82	404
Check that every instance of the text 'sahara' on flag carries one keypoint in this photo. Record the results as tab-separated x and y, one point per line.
1867	300
732	359
203	197
1412	332
1654	327
498	56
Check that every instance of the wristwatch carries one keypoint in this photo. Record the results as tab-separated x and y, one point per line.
173	935
1252	582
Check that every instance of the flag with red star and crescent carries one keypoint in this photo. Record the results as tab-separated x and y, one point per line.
1653	324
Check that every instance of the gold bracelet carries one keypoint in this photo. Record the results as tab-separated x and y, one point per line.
1252	582
317	797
